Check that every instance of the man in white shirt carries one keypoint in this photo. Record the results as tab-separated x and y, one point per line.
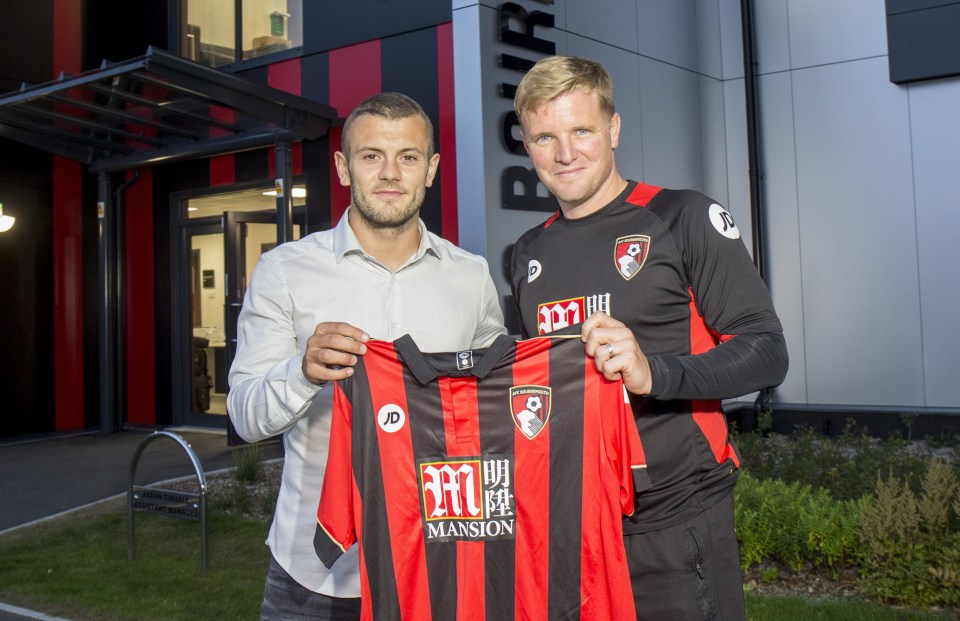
309	309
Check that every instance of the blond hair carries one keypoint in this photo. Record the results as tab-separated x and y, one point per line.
558	75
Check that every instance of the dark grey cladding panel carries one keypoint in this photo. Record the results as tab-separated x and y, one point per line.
328	26
922	39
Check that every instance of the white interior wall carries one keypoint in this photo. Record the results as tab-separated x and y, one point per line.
211	300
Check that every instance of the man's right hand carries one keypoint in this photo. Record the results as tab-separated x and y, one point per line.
332	351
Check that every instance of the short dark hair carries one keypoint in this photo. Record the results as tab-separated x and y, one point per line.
390	106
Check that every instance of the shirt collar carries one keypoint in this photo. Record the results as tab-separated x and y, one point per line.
428	367
345	241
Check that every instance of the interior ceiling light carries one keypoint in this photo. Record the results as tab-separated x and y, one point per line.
298	192
6	222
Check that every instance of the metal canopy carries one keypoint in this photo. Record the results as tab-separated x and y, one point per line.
150	110
154	109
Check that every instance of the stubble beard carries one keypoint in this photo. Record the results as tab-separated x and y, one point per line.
387	217
574	195
569	196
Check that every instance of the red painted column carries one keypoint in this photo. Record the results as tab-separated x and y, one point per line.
141	347
67	36
222	171
285	76
67	242
354	76
67	295
447	134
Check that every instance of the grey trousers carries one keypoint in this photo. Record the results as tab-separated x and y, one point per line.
285	599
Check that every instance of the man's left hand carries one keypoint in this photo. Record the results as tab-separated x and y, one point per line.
616	353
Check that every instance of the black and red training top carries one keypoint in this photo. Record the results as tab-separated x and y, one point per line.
671	265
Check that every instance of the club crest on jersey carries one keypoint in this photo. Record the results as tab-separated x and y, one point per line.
630	253
530	407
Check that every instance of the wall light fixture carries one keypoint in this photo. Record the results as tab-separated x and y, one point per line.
6	222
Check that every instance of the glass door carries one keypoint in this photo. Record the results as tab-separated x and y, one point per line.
206	347
222	258
247	236
223	238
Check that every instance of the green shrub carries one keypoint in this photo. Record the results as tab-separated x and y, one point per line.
268	502
805	500
248	463
234	497
847	465
795	524
911	542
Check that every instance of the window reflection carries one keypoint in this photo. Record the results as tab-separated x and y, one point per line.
210	29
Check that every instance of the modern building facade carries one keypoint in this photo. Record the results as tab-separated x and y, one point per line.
839	165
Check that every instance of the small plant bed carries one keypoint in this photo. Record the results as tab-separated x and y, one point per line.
249	489
851	516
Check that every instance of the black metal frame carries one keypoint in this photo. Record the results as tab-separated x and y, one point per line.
181	228
180	312
157	108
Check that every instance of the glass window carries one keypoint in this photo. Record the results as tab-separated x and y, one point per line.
249	200
212	32
271	26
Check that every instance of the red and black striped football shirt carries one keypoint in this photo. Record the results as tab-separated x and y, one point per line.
486	484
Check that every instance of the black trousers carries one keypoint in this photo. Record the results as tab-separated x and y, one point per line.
690	571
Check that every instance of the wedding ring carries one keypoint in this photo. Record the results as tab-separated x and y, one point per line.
609	350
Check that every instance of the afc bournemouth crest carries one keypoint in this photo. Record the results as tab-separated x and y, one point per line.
530	406
631	253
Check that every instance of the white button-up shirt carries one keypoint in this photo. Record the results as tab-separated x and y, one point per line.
442	296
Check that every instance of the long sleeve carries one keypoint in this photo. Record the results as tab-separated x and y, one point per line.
490	323
734	306
741	365
268	391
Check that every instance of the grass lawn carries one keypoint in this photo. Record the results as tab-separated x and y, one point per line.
770	608
76	567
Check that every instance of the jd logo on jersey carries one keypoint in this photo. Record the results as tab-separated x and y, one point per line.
391	418
723	222
630	254
534	269
530	406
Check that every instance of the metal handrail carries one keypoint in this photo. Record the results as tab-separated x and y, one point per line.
168	502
